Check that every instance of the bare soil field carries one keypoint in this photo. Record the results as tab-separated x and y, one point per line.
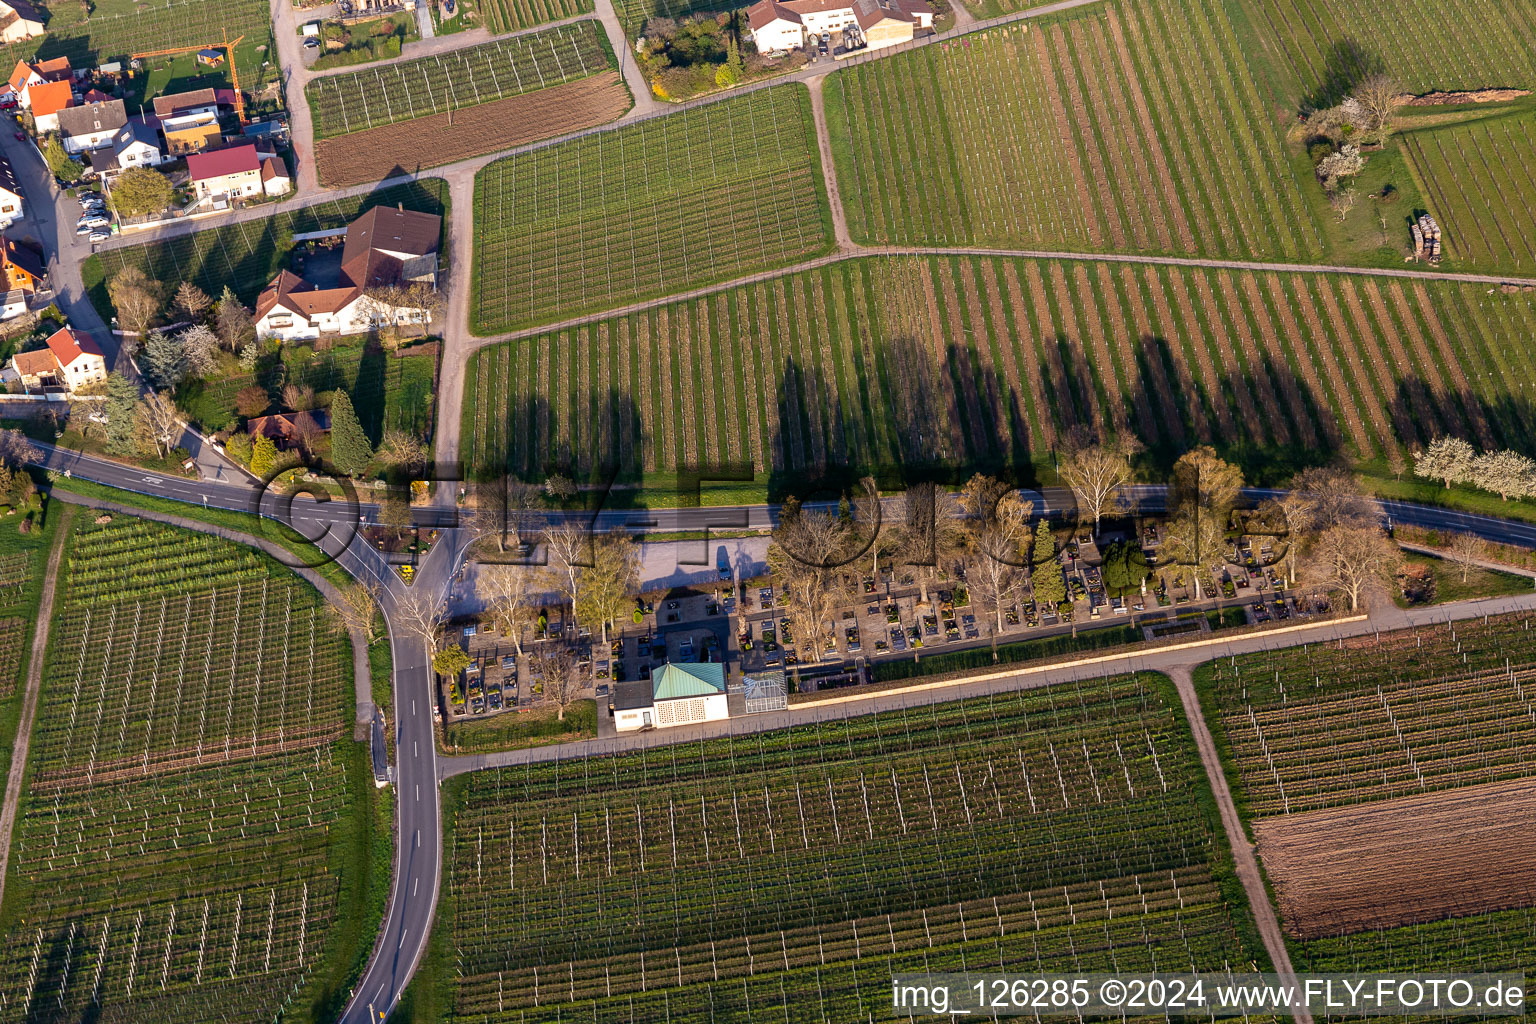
374	154
1403	861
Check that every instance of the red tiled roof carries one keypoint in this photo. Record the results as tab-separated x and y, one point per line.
297	294
20	74
68	344
170	103
220	162
30	364
766	12
271	168
54	70
50	98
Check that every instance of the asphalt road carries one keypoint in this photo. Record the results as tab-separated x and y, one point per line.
418	849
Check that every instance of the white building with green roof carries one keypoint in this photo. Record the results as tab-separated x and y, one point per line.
678	694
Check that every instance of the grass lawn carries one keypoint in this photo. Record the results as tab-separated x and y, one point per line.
1450	585
366	41
512	731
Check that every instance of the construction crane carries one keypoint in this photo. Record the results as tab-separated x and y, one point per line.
228	46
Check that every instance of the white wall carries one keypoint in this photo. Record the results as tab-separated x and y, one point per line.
778	35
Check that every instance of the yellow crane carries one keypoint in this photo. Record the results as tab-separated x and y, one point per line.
228	46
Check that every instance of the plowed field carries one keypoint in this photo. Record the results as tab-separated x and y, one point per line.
372	155
1403	861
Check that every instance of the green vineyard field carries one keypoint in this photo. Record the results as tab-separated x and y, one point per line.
904	363
706	194
1074	133
514	15
194	797
788	874
1479	178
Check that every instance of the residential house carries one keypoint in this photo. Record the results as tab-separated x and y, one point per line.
190	121
774	27
12	304
11	207
676	695
274	176
19	21
233	173
24	266
71	360
285	429
137	145
872	23
384	248
91	126
45	102
27	74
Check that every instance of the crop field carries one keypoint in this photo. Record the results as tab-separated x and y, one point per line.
1072	133
379	153
1479	178
633	14
402	90
892	363
1346	869
706	194
789	873
22	560
192	777
249	254
1397	715
117	28
1325	46
512	15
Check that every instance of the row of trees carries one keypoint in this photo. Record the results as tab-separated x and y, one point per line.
1454	461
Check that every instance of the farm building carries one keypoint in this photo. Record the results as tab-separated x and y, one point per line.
11	207
210	58
233	173
274	177
384	248
71	360
778	25
91	126
675	695
19	21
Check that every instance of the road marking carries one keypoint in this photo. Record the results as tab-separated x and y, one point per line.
418	791
414	883
418	838
402	938
414	751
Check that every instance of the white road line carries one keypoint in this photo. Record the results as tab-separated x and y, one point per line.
402	938
414	883
418	839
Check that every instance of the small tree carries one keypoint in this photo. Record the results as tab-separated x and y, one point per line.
140	190
358	609
1096	472
298	397
251	401
16	450
192	301
122	408
998	522
200	349
1449	459
1379	96
136	297
238	447
263	456
450	661
1045	577
555	666
350	447
163	361
610	582
1467	550
1507	474
510	590
234	322
421	615
162	421
64	167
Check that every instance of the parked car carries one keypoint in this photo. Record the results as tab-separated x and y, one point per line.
100	236
311	43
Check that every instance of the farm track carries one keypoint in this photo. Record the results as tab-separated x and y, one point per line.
21	745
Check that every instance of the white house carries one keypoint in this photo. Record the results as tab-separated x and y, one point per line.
675	695
11	207
774	27
91	126
137	145
19	21
274	176
292	309
232	173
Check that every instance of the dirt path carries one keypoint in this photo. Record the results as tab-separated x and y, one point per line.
290	57
34	685
840	233
646	102
1243	858
458	344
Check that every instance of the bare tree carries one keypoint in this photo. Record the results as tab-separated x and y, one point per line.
1352	561
358	608
611	582
512	592
1096	473
998	522
298	397
555	665
16	450
505	512
136	297
422	615
1379	95
932	533
1467	550
192	301
306	433
1334	498
1204	492
568	547
809	555
402	450
162	421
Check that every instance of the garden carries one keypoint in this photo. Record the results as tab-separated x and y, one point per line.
777	873
197	826
906	365
707	194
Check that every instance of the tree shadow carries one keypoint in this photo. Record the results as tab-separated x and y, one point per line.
1346	64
